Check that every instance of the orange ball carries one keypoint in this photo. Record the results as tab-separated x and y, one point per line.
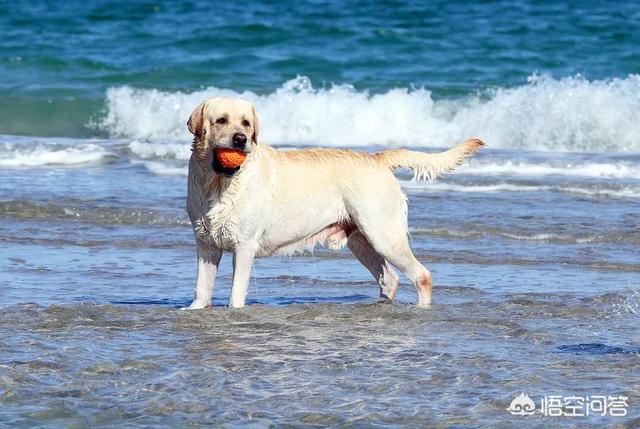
230	158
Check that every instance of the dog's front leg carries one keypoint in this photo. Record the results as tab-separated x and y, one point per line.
208	261
243	258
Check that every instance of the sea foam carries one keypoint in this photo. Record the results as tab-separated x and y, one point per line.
22	155
632	192
149	150
588	169
572	114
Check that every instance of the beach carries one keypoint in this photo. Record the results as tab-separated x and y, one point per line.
532	243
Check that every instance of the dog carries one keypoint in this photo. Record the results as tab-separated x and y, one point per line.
281	202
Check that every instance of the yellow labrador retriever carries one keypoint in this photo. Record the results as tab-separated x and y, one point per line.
285	201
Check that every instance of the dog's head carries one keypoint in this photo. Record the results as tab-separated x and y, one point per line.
224	123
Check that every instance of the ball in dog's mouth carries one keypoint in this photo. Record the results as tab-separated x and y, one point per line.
227	161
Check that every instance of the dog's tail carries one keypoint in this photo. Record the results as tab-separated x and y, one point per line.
428	166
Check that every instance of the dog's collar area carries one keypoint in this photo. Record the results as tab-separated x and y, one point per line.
219	169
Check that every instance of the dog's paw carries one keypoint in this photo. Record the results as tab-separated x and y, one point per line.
423	304
196	305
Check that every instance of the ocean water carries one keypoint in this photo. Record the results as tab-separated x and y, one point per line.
533	243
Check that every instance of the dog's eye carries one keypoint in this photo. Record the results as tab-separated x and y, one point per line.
246	123
221	121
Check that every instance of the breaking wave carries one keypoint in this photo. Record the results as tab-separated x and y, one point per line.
39	154
599	170
572	114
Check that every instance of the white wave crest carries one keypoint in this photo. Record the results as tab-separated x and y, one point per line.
602	170
160	150
50	154
163	169
623	192
569	115
454	187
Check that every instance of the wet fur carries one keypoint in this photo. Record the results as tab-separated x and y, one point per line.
289	201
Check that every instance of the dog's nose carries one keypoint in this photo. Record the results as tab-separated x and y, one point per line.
239	140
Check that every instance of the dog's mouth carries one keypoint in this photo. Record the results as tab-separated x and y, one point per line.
219	169
218	163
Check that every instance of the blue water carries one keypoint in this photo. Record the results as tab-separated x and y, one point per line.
57	62
532	243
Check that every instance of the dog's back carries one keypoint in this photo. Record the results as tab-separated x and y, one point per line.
424	165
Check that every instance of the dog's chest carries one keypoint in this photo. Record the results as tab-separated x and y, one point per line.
224	212
226	221
217	223
223	225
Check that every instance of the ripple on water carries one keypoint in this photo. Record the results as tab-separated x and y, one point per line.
316	364
596	349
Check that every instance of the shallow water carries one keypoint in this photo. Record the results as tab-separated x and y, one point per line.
536	290
347	363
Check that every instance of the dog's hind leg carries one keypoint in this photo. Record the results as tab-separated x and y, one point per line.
397	251
382	219
376	264
390	240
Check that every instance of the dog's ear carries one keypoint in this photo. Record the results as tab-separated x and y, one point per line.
256	126
195	122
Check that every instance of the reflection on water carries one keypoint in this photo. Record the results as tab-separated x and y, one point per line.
317	363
